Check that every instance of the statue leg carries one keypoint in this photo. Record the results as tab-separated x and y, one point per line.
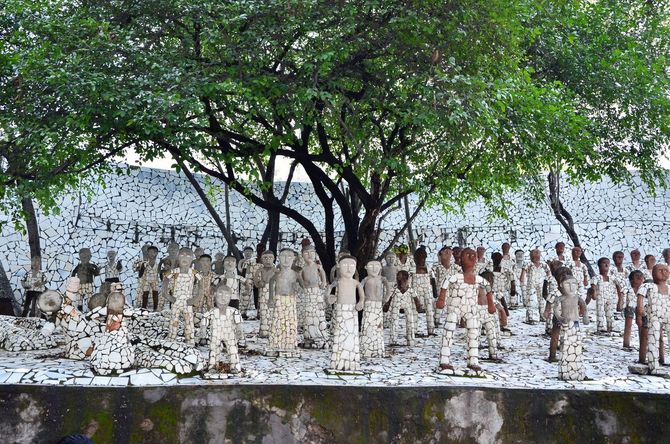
430	311
154	297
643	331
174	321
145	299
600	313
394	311
628	325
653	345
555	335
231	349
451	319
188	325
410	323
609	312
473	331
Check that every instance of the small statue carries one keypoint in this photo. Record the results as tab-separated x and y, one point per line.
462	294
402	298
113	351
403	260
245	268
507	260
619	275
222	322
345	356
207	282
482	264
487	314
636	263
604	291
503	288
535	274
166	265
423	289
636	281
182	282
234	281
34	283
567	312
218	263
442	271
372	332
649	263
641	317
86	272
113	267
518	268
262	279
658	310
560	254
283	340
148	272
315	328
197	253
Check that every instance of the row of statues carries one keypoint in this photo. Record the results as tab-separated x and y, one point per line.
207	301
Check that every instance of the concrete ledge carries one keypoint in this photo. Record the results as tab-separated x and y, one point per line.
329	414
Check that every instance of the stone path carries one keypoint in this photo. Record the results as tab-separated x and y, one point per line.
524	366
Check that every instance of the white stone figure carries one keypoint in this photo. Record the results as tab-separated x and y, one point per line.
487	313
423	289
144	251
462	294
535	274
112	351
566	310
482	263
197	253
205	288
636	263
234	281
402	298
221	322
518	269
182	281
442	271
605	293
148	272
86	272
315	328
245	269
372	332
283	338
34	283
345	355
217	266
113	267
166	265
262	279
658	312
389	272
560	256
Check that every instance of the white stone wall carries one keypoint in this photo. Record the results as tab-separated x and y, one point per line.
156	205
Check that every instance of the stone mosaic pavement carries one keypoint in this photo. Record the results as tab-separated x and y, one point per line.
524	366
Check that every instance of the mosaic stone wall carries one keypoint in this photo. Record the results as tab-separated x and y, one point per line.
158	205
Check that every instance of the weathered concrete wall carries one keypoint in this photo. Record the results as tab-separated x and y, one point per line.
284	414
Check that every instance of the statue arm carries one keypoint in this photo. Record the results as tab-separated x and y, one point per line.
361	297
330	298
323	277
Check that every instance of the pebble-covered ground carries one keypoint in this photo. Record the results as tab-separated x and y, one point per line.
523	367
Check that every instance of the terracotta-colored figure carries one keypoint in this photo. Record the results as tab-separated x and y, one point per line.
619	275
636	281
206	285
504	288
658	310
86	272
443	270
560	256
402	298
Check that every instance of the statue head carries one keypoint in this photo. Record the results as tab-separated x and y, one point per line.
185	258
576	253
535	256
199	251
481	252
420	256
35	264
373	268
390	258
145	249
559	271
402	280
457	254
650	261
666	255
309	253
222	296
635	255
268	259
260	248
660	274
496	258
85	255
229	264
111	255
505	248
518	255
444	255
346	267
603	266
468	260
286	257
568	286
205	262
618	257
152	253
305	242
50	301
219	256
173	249
636	278
248	253
560	248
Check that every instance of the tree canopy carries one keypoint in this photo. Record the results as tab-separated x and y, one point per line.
452	100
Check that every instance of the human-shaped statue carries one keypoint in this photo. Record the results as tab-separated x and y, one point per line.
658	310
234	281
462	294
443	270
507	261
649	263
315	328
519	268
34	282
86	272
113	267
245	268
402	298
636	263
636	281
504	288
404	261
345	355
424	291
166	265
487	314
206	285
389	272
197	253
535	274
372	332
482	264
560	256
567	312
113	351
262	279
222	321
182	281
619	275
604	291
283	341
218	263
148	272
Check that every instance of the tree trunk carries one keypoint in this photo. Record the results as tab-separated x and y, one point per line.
232	247
410	232
563	216
6	294
32	227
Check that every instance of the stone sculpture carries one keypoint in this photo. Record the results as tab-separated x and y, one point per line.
345	356
535	274
636	281
222	321
315	328
262	279
182	281
234	281
402	298
283	338
148	272
604	291
113	267
167	265
423	289
86	272
206	284
34	282
245	268
487	315
567	311
372	331
658	311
